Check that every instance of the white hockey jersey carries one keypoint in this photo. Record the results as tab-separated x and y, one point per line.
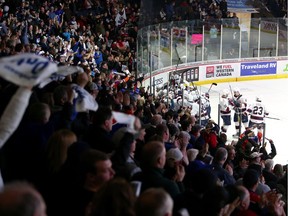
225	107
257	112
239	104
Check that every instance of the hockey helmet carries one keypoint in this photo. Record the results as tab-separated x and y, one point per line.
236	91
225	93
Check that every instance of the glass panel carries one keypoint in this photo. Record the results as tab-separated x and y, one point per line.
154	47
139	52
179	43
230	39
282	37
212	39
268	37
194	41
165	44
145	63
254	38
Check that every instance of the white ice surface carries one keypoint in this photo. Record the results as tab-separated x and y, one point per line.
274	95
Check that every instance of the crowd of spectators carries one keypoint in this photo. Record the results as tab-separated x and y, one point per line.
179	10
72	32
134	155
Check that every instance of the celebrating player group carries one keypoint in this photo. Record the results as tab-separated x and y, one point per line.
251	116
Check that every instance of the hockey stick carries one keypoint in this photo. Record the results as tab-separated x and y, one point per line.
231	91
211	86
272	118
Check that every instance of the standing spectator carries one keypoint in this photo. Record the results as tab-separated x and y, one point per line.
123	159
97	135
213	34
278	171
267	155
223	8
225	174
272	204
269	176
231	156
98	56
151	129
240	167
95	169
183	141
169	9
152	163
194	134
29	144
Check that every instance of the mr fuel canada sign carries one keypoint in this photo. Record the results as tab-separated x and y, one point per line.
220	70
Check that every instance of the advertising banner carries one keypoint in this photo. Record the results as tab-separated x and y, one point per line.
282	67
258	68
220	71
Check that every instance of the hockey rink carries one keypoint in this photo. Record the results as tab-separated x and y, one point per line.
274	94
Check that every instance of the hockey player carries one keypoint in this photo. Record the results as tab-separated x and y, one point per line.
203	115
257	113
225	110
239	104
206	103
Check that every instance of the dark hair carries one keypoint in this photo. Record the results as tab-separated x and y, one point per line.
138	110
185	124
173	129
19	47
161	129
195	128
115	198
37	112
155	137
250	178
88	160
60	92
101	115
169	115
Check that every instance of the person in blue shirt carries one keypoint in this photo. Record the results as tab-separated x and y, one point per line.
98	56
66	34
